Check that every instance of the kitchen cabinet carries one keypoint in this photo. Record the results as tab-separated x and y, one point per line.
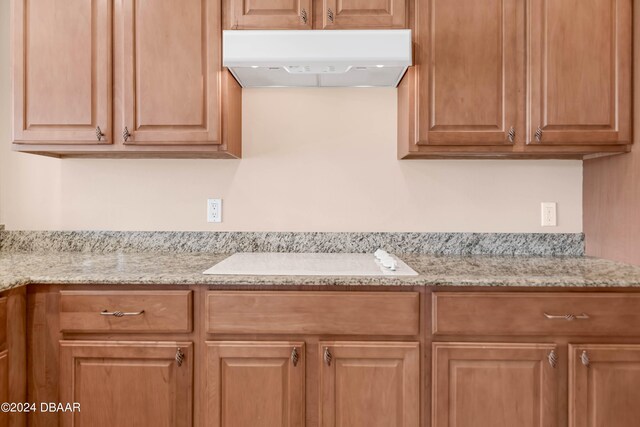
369	384
603	385
319	14
255	383
127	383
268	14
516	79
123	79
62	72
494	385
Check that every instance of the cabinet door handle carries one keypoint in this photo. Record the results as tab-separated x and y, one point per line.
125	134
584	358
327	356
294	357
179	357
568	317
99	133
330	15
512	135
121	313
539	134
553	358
303	16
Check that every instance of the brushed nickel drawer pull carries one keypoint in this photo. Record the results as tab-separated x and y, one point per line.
584	358
294	357
121	313
568	317
179	357
553	358
303	16
539	134
125	134
330	15
327	356
512	135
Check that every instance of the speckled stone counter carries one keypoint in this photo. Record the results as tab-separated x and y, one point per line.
17	269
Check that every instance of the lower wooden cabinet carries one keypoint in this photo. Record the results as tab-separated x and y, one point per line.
4	385
127	383
494	385
369	384
604	385
255	384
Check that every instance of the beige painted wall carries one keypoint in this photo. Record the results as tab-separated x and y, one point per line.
314	160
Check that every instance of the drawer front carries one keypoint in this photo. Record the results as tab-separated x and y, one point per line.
289	312
525	313
126	311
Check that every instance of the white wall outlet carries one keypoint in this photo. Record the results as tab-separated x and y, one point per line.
214	210
549	214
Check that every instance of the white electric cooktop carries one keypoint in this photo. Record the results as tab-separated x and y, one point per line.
310	264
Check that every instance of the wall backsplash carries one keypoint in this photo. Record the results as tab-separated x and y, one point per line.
314	160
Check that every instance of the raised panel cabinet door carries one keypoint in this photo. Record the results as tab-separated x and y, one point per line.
471	73
61	59
604	385
168	72
127	383
268	14
369	384
354	14
580	71
4	385
255	383
494	385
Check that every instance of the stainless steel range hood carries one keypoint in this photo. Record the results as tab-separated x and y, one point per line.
317	58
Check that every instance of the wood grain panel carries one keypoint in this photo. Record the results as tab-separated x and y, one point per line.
344	313
580	81
61	71
604	393
493	385
4	385
369	384
472	77
372	14
126	383
255	383
518	313
268	14
164	311
170	71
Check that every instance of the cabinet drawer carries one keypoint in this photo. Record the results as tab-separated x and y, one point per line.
525	313
125	311
290	312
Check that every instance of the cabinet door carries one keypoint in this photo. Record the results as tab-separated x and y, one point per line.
353	14
4	385
255	383
493	385
268	14
470	73
168	64
603	385
369	384
61	71
580	82
126	383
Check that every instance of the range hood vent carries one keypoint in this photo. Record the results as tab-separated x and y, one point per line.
317	58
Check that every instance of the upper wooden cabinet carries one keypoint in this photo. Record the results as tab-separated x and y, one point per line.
155	66
580	81
484	68
319	14
268	14
354	14
62	72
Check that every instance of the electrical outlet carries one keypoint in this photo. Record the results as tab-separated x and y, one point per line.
549	214
214	210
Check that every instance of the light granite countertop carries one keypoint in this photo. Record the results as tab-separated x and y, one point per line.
153	268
